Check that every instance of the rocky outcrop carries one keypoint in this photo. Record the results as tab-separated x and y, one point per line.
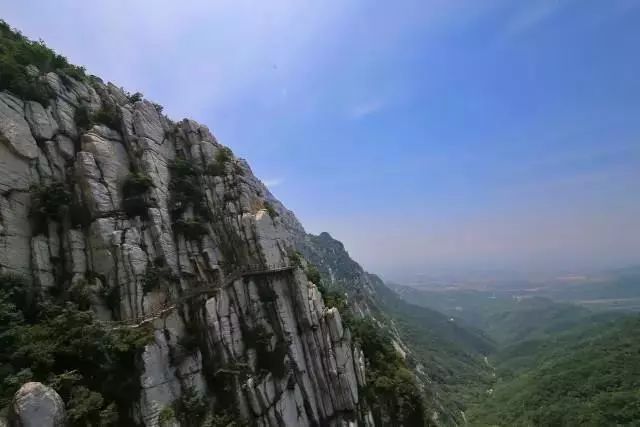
166	227
36	405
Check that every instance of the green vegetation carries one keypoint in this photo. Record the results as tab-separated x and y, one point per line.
268	359
133	98
505	319
49	200
271	210
136	184
82	117
555	363
80	293
219	166
222	419
192	229
108	115
447	355
17	53
60	344
313	274
224	155
133	194
79	215
215	169
451	353
157	277
167	416
238	169
391	392
295	258
191	409
334	297
185	189
266	293
615	290
50	203
590	376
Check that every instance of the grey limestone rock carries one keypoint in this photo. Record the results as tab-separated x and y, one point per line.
36	405
193	229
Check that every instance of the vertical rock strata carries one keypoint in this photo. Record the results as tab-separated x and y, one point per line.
166	226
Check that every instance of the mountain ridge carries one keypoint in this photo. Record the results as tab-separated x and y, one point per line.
119	222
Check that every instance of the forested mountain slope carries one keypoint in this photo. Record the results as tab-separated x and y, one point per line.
589	376
447	356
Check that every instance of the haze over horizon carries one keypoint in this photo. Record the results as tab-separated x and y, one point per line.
425	135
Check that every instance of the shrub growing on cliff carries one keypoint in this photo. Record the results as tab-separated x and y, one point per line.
133	192
391	389
224	155
267	359
266	293
218	167
271	210
59	344
222	419
313	274
192	408
135	97
158	276
79	215
82	117
152	279
215	169
334	298
192	229
181	168
49	199
16	53
295	258
185	189
108	115
136	184
48	202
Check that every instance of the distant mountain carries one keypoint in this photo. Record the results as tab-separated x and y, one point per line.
505	319
447	355
615	289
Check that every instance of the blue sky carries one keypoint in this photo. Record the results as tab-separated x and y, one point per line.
427	135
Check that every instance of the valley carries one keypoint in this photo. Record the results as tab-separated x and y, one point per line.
564	361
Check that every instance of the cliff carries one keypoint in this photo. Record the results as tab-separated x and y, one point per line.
165	220
147	277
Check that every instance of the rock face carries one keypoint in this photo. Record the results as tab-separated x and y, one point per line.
36	405
167	227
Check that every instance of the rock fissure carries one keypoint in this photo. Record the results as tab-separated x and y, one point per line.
197	264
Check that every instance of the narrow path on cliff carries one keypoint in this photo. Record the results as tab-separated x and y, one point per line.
251	270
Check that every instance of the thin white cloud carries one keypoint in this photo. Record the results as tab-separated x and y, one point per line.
273	182
531	15
365	109
190	59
